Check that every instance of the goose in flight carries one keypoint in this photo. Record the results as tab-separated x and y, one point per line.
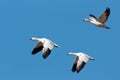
100	21
80	61
45	45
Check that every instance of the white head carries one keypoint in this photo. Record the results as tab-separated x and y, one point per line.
72	53
86	20
34	38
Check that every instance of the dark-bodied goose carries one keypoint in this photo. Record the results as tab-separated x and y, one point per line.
100	22
80	61
45	45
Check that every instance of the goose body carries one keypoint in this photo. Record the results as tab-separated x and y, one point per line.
45	45
80	61
100	21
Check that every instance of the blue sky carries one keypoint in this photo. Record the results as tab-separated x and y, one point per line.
60	21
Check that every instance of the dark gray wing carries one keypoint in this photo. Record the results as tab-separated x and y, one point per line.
75	64
80	67
103	18
37	48
46	53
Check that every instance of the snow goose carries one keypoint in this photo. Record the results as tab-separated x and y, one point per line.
100	22
80	61
45	45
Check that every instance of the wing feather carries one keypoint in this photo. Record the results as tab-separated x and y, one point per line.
46	53
103	18
37	48
75	64
80	66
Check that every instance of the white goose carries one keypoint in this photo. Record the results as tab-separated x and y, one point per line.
100	22
80	61
45	45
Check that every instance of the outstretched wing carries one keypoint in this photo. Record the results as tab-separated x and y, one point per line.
80	65
37	48
75	64
46	53
48	46
103	18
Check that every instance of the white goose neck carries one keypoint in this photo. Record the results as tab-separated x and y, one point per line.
87	20
35	38
71	53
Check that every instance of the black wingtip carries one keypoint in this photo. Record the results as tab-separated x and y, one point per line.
107	9
73	70
33	52
107	27
78	71
92	16
44	57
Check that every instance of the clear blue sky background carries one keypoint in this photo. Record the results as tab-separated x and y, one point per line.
60	21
